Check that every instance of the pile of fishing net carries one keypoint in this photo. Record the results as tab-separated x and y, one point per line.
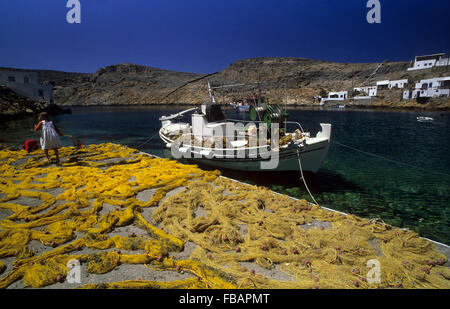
234	224
71	221
242	234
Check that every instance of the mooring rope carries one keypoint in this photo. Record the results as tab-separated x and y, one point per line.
148	140
387	159
303	178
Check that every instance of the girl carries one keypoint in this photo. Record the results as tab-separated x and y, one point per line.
49	136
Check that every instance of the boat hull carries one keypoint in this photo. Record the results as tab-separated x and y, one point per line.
311	157
307	155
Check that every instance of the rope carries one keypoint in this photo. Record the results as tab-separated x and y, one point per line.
391	160
75	142
147	140
303	178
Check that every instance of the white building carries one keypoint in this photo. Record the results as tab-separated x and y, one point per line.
335	96
429	61
391	84
399	84
340	95
26	84
430	88
368	91
383	85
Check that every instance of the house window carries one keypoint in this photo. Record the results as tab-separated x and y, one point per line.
11	78
26	80
41	93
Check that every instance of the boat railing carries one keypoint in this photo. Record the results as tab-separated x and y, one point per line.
250	121
189	139
264	147
232	152
223	152
189	136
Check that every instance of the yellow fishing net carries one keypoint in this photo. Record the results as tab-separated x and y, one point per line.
244	236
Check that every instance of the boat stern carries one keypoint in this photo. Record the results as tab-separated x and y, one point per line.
326	131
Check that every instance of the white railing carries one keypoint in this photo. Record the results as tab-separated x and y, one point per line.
287	122
235	152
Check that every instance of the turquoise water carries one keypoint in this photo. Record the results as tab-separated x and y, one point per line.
414	195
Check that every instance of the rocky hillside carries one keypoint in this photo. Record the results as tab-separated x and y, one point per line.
13	105
123	84
293	80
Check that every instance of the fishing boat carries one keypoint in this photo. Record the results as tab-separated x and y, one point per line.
266	142
240	108
424	119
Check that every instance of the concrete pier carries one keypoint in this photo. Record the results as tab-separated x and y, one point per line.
134	220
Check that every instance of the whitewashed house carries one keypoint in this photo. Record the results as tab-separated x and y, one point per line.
429	61
335	96
26	83
383	85
368	91
399	84
430	88
340	95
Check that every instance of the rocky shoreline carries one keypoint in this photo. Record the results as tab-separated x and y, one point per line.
410	105
14	106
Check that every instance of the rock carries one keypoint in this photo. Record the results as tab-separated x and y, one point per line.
13	106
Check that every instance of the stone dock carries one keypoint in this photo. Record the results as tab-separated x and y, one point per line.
112	217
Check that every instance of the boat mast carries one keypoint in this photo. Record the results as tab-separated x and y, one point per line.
211	94
285	109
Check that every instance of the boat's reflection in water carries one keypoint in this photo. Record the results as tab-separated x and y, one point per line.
323	181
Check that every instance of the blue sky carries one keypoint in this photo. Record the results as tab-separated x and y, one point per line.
205	36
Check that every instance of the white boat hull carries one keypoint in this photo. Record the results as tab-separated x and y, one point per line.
311	161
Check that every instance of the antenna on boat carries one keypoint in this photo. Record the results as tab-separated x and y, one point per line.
211	93
259	90
285	108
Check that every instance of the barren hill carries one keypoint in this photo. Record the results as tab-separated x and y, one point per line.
292	80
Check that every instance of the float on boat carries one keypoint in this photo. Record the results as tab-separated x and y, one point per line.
212	139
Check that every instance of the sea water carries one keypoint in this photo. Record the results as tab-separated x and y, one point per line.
397	169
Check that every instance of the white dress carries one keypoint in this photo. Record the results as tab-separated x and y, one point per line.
49	139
